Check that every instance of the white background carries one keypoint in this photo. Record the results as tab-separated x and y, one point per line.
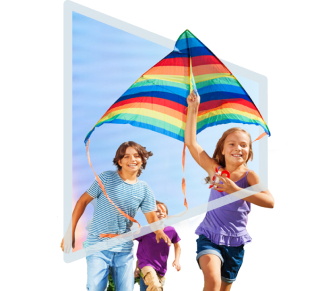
283	40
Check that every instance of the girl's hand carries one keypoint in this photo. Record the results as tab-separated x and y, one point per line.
193	99
176	265
228	185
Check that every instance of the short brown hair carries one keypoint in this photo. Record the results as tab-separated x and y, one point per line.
121	151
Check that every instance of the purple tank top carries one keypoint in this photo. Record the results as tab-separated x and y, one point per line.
226	225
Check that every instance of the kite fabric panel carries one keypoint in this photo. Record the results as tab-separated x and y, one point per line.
157	100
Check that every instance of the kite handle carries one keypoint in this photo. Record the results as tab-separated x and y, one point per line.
97	178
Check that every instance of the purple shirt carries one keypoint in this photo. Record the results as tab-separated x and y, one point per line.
151	253
226	225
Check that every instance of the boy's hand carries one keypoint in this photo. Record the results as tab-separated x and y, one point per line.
176	265
161	235
137	273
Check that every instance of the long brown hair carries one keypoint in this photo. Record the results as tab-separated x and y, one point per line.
121	151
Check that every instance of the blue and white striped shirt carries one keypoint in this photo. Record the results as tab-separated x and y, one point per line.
128	197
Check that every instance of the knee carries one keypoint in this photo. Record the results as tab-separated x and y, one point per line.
152	281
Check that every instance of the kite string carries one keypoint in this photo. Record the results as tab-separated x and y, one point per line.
97	178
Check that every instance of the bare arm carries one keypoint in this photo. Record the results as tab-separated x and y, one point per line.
197	152
177	253
137	270
79	209
152	217
263	198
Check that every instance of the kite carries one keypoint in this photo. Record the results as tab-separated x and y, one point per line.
157	100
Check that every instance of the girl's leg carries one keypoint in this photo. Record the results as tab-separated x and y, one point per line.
226	286
211	267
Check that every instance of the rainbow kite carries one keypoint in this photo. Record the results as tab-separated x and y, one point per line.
157	100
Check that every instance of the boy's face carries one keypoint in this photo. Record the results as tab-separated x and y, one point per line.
161	211
131	161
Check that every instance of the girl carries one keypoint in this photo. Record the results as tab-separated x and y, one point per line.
222	233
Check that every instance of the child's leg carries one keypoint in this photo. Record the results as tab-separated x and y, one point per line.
123	273
97	270
142	286
226	286
211	267
151	279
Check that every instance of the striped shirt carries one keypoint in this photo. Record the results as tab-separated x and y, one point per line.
128	197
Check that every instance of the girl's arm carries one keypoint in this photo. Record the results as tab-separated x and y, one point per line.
197	152
263	198
177	253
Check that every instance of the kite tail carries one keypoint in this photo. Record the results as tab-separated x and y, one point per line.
97	178
260	136
183	183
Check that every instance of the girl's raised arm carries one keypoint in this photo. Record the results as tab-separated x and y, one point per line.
197	152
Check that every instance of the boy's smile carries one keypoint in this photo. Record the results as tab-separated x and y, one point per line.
161	211
131	161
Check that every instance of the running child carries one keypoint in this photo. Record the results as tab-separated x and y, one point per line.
152	256
129	194
222	233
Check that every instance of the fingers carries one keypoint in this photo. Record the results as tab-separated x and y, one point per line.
193	97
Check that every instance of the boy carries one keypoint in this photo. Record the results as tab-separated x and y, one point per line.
121	186
153	256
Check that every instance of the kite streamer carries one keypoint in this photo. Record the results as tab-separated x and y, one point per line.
157	100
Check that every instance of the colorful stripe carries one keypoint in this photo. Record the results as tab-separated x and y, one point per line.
157	100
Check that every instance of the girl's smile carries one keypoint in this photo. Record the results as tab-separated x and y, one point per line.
236	147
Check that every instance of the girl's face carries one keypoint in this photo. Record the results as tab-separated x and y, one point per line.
236	148
131	161
161	211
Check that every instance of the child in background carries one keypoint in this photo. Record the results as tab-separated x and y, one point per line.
222	233
152	256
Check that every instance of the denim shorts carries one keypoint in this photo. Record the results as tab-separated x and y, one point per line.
231	257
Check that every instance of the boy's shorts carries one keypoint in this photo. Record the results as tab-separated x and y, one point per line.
231	257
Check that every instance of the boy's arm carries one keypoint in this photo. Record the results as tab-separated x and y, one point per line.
152	217
177	253
69	240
